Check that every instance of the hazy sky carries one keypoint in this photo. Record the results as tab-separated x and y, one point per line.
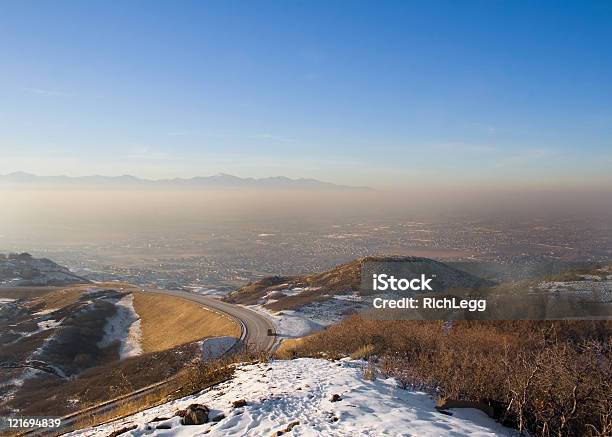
375	93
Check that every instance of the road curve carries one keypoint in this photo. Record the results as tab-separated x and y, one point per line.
255	332
255	325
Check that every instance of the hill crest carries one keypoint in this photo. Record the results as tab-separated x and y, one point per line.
290	292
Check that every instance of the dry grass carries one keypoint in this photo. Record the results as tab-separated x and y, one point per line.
170	321
46	395
193	379
297	301
13	293
364	352
59	298
115	285
287	348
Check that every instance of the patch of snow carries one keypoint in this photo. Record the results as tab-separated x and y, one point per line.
312	288
206	291
289	324
286	291
312	317
591	277
45	312
5	300
42	326
72	401
14	384
577	287
214	347
49	324
124	326
331	311
19	380
299	391
350	297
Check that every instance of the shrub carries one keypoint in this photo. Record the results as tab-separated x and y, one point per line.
363	352
369	372
549	378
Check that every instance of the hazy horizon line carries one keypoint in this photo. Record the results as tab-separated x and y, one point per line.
226	180
221	178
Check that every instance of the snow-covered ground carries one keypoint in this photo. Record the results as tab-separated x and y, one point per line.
311	317
289	324
49	324
214	347
587	286
45	312
124	326
207	291
298	394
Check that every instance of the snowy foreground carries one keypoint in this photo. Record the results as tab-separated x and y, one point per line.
295	397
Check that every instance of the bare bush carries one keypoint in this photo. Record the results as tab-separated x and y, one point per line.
363	353
549	378
369	371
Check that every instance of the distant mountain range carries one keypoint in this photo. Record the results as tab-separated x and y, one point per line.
27	180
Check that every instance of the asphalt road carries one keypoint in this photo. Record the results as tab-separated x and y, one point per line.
255	325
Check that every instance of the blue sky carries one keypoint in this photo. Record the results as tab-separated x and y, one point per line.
377	93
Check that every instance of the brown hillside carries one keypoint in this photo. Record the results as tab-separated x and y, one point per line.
343	279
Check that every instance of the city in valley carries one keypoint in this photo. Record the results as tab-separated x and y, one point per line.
222	258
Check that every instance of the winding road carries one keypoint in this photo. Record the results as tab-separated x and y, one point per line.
254	332
255	326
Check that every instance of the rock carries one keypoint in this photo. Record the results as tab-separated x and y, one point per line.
335	398
239	403
292	425
287	429
194	414
163	426
444	404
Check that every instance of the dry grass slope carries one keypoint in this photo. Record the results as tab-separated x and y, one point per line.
59	298
12	293
167	322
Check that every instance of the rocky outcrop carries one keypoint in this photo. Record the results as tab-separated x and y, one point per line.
194	414
25	270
